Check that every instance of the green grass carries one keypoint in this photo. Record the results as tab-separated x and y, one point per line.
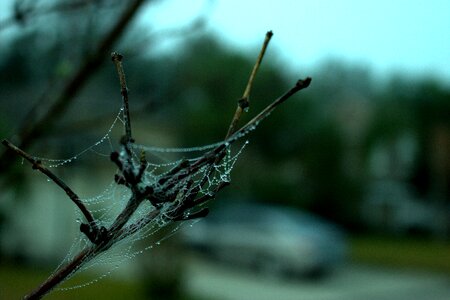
402	253
16	281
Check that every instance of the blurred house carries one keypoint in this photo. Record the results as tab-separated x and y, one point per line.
391	203
391	206
389	161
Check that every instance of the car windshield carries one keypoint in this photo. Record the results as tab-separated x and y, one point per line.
267	218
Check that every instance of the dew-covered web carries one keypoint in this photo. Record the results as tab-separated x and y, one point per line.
100	147
136	236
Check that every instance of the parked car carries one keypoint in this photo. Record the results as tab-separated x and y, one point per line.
270	239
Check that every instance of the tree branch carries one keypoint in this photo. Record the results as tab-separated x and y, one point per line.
244	102
37	165
117	60
300	85
62	274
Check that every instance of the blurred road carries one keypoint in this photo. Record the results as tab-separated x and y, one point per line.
208	280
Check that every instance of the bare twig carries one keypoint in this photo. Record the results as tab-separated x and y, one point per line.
246	96
117	59
62	274
251	125
244	102
37	165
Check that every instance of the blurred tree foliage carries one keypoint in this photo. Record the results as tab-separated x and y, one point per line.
312	153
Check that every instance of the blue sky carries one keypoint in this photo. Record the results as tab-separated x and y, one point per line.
389	36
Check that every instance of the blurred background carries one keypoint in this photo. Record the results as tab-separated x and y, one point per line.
343	193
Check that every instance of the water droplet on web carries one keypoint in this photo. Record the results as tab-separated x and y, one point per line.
48	180
22	160
246	109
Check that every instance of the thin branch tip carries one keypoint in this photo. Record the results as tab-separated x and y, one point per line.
304	83
244	101
117	60
115	56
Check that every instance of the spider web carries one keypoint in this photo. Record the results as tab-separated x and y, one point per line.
108	204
